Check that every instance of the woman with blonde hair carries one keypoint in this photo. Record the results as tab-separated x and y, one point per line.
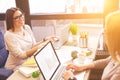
110	64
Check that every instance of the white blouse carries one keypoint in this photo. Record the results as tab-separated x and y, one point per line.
17	45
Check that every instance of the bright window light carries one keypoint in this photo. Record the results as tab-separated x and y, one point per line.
5	4
66	6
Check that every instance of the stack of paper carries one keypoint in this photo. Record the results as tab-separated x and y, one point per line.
27	71
28	67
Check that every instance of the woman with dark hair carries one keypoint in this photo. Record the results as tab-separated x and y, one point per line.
9	17
19	39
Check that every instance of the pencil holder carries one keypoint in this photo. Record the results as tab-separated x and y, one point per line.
83	40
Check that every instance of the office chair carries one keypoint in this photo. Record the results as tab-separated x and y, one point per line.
4	73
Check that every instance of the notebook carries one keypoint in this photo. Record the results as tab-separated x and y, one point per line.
49	63
28	67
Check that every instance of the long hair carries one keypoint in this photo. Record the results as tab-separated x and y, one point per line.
9	17
112	32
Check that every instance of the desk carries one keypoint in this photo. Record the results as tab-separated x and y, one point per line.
64	54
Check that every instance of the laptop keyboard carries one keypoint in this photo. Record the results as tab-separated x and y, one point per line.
59	74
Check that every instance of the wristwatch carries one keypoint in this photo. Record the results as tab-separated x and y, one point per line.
72	78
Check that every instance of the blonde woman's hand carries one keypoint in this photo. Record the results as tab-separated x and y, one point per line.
75	67
67	74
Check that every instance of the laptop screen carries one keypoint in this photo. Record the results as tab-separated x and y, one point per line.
47	61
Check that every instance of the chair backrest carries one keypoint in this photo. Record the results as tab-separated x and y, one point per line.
3	51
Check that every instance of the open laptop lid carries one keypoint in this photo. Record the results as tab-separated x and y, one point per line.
47	61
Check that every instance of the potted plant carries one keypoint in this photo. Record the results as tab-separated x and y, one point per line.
74	29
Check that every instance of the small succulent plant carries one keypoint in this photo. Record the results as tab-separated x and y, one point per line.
35	74
74	29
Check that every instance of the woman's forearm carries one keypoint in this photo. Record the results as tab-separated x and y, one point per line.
87	66
38	43
31	51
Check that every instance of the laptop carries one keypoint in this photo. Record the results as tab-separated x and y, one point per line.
49	63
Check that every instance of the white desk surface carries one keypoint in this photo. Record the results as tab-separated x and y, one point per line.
64	54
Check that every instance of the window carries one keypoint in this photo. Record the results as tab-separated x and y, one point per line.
5	4
66	6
